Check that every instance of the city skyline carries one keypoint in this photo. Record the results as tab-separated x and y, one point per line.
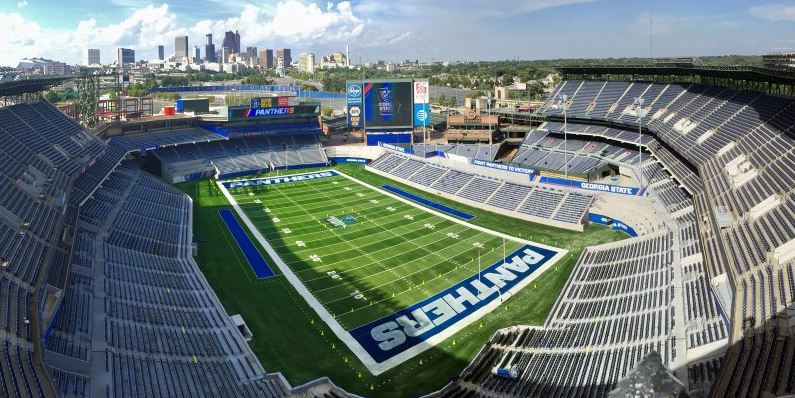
376	30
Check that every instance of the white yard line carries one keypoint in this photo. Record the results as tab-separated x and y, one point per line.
374	367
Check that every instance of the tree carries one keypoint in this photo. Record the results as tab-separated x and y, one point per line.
327	111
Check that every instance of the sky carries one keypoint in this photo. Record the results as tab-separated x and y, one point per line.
395	30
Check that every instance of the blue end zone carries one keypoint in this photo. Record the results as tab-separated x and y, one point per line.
429	203
254	257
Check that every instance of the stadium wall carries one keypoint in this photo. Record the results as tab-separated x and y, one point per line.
484	206
354	151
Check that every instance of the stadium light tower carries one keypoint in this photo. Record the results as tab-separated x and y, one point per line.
562	105
639	108
488	110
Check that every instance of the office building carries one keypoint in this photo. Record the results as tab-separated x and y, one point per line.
232	42
180	48
284	55
161	52
209	49
92	57
306	62
125	56
266	59
196	55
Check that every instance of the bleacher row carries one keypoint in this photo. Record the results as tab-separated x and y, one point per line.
41	151
254	153
618	306
158	311
540	149
115	230
742	144
538	201
471	151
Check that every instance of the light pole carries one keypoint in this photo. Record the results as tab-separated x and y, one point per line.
562	105
488	110
639	108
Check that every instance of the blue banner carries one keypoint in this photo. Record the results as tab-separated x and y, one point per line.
500	166
278	180
422	114
238	113
591	186
348	160
407	328
395	148
617	225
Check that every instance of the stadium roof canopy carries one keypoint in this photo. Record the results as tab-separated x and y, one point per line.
17	87
748	73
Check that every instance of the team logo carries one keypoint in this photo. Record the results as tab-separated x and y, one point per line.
420	88
472	114
422	115
355	111
354	91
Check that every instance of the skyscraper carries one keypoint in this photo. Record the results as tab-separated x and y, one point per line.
209	49
284	54
161	52
266	59
125	56
92	58
180	47
232	42
196	54
306	62
251	52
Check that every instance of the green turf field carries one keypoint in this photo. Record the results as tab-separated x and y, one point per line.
290	338
390	256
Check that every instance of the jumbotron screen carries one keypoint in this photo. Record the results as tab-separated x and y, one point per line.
387	104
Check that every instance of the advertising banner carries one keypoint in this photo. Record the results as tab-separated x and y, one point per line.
273	112
591	186
500	166
354	100
422	114
422	93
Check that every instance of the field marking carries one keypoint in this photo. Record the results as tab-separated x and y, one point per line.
377	368
373	260
352	258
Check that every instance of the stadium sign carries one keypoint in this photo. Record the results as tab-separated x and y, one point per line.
500	166
421	92
354	92
591	186
617	225
236	113
455	307
256	182
396	148
354	101
348	160
422	114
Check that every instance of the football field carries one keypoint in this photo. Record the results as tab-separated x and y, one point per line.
364	254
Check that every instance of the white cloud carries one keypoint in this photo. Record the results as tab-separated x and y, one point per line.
289	22
22	3
774	12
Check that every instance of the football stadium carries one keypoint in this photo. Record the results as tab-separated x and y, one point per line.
263	249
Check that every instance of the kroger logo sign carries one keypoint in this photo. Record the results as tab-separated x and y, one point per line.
354	91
